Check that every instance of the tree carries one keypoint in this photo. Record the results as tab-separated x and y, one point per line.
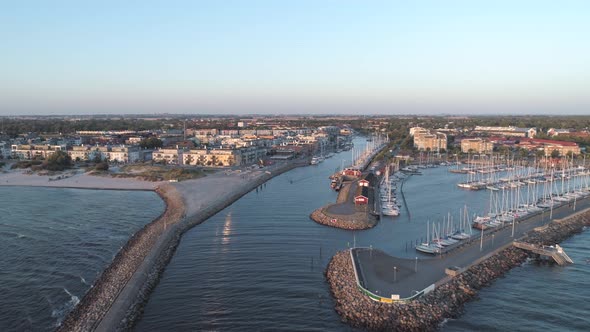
523	153
539	154
189	159
151	143
58	161
555	154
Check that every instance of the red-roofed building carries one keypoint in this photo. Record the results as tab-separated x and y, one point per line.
549	146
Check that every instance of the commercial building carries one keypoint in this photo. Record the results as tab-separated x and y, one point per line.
507	131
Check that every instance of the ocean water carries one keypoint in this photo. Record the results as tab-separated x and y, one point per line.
535	296
55	243
259	264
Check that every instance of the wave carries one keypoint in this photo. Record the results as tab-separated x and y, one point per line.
61	311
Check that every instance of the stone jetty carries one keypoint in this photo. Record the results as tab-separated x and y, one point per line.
98	300
447	300
357	221
116	299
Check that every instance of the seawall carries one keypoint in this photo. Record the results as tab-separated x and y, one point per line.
116	299
448	298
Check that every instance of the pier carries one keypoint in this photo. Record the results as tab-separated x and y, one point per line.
555	252
401	279
355	208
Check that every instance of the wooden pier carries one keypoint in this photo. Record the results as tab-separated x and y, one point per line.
556	252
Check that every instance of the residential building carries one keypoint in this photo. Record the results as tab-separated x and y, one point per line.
224	157
170	156
476	145
548	146
125	154
31	151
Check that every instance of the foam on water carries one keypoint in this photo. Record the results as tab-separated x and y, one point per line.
51	256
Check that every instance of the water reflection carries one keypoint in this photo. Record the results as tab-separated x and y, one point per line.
227	229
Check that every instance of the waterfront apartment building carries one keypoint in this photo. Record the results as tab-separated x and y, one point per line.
125	154
224	157
205	157
32	151
121	154
476	145
170	156
548	146
425	139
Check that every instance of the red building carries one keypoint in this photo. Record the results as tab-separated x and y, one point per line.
362	195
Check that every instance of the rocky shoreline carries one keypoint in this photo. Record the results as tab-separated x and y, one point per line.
153	246
357	221
135	311
98	300
447	300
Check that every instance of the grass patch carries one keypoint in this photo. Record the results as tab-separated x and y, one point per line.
159	173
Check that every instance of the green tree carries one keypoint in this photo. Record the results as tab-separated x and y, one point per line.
58	161
523	153
555	154
151	143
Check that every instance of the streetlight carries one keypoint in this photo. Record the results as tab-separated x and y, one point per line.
493	239
394	273
416	266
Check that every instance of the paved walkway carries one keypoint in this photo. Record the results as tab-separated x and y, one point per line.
380	277
348	207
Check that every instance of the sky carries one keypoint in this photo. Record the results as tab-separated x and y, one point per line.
287	57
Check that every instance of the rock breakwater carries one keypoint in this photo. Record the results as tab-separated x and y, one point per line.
356	221
98	300
117	298
447	300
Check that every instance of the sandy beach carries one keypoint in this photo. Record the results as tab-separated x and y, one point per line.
77	180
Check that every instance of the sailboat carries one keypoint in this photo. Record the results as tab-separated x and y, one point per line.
427	247
388	207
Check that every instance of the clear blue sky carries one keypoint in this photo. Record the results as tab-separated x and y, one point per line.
359	57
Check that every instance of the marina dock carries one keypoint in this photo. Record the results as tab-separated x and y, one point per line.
387	277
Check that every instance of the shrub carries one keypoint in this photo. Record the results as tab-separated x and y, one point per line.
104	166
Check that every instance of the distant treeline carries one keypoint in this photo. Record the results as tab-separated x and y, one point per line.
396	126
